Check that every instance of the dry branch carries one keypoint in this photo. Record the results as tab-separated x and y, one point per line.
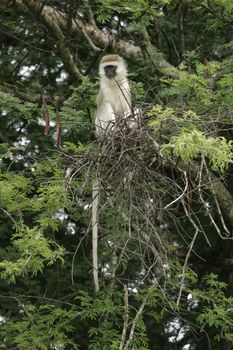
150	196
134	323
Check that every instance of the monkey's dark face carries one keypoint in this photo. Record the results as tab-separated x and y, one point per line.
110	71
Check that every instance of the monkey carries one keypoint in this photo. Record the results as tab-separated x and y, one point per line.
114	97
113	102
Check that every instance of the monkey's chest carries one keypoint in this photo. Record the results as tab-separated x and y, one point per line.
119	99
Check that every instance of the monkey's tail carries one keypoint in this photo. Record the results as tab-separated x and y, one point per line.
95	222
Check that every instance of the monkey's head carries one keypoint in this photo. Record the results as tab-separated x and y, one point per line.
112	67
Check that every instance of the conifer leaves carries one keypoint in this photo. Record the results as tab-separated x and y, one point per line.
21	202
188	142
33	251
40	327
217	311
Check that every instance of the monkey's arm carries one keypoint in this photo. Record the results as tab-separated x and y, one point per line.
99	99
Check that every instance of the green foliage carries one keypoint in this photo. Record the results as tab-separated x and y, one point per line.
94	307
44	327
79	109
76	149
224	94
104	336
107	334
35	252
138	91
52	199
217	311
140	9
82	98
226	4
160	115
193	90
189	144
13	107
14	190
170	120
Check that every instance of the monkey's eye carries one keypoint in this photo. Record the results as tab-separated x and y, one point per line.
110	71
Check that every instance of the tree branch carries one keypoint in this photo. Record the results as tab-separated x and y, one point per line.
48	18
36	98
134	323
56	21
89	12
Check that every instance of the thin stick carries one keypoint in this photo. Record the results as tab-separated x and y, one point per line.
197	230
134	323
182	194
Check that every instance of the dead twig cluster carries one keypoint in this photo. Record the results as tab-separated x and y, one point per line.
151	208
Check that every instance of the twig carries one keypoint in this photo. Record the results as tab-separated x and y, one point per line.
188	254
134	323
75	253
9	215
182	194
217	204
46	116
205	205
82	28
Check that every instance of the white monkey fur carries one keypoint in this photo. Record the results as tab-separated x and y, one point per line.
114	97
